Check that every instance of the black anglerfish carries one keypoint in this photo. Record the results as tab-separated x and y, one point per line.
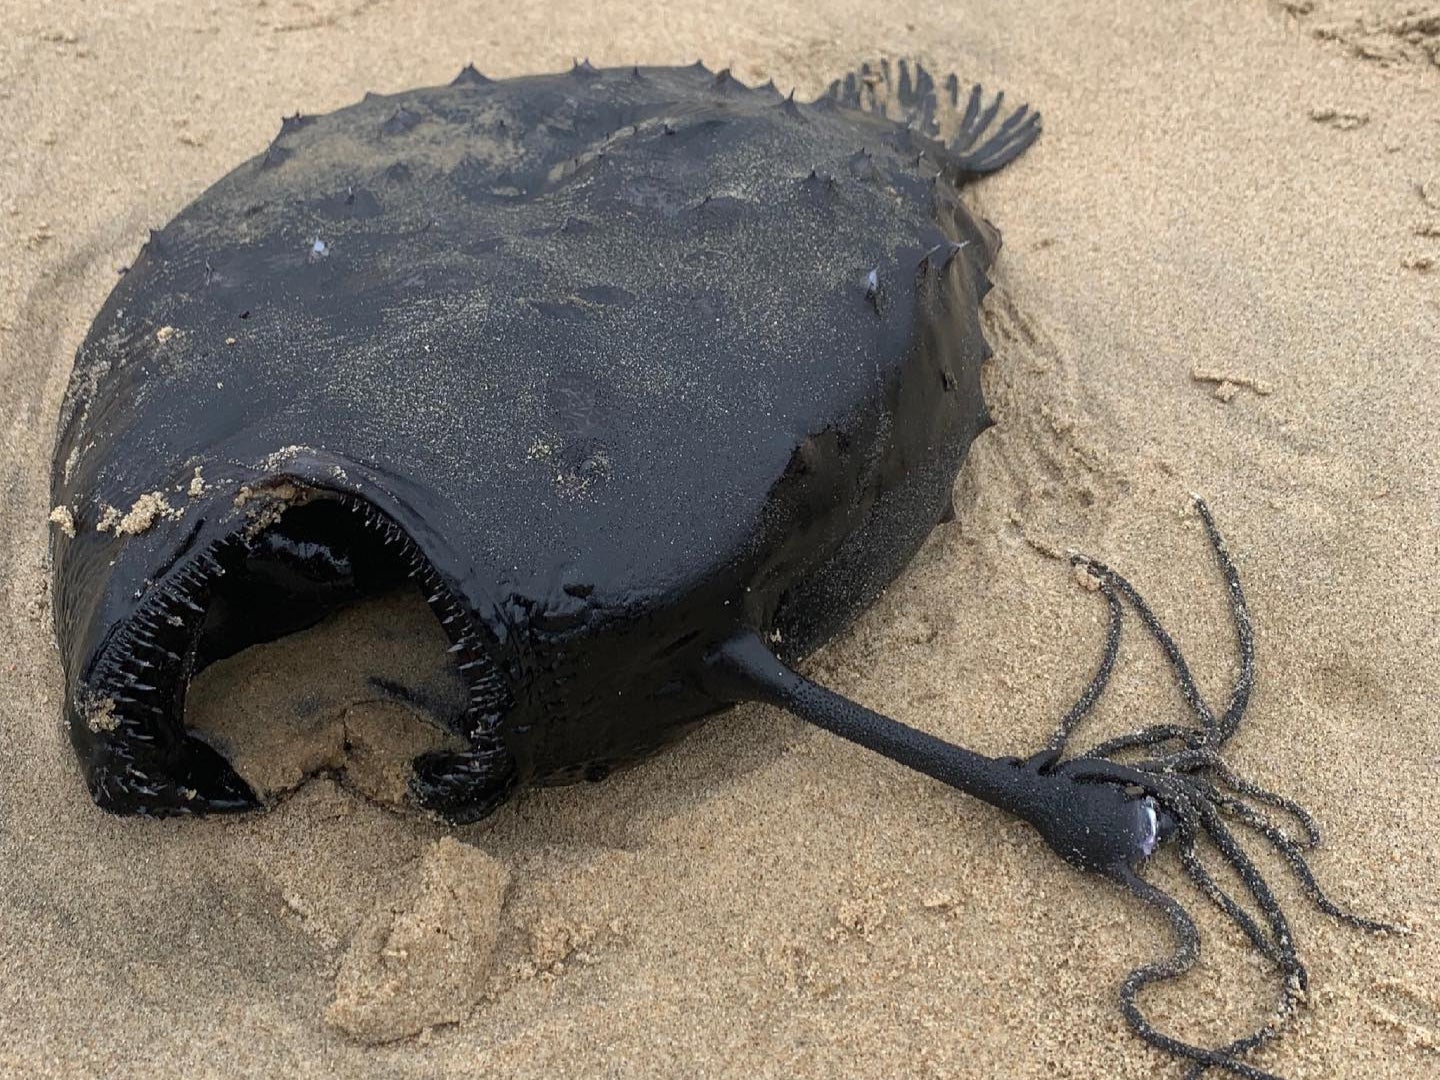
651	380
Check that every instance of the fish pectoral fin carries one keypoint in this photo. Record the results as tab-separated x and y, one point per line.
981	146
908	95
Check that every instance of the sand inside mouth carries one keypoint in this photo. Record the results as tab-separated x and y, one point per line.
385	692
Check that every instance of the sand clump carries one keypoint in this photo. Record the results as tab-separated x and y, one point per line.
1228	383
143	513
100	716
425	955
62	518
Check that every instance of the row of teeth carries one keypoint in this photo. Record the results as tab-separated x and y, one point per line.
489	697
150	645
151	650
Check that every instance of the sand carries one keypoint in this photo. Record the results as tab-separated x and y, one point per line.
1221	273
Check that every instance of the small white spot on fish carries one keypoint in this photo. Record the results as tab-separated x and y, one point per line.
872	290
1151	840
319	249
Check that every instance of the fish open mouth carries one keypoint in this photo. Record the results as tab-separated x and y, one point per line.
299	555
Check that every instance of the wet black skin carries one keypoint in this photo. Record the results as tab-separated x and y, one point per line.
640	373
619	363
652	382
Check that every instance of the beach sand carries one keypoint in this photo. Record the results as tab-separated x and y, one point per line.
1221	273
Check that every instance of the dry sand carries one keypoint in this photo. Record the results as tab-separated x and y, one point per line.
1222	273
